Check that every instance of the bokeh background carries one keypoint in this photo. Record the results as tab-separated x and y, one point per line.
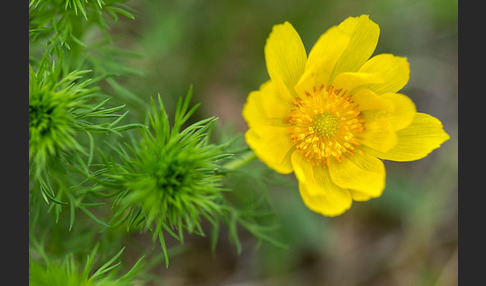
408	236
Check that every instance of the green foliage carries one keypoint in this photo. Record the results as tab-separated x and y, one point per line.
92	177
65	113
60	21
66	271
53	109
59	108
168	179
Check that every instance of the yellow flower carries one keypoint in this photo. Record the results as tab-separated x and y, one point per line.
332	117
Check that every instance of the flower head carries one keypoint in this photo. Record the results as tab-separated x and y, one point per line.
331	117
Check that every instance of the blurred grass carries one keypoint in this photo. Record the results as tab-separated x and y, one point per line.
408	236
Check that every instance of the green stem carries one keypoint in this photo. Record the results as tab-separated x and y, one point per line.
242	161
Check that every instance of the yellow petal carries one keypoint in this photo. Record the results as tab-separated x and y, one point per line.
378	131
360	171
318	192
268	136
322	59
359	196
273	146
395	72
283	91
363	35
417	140
266	107
349	81
285	54
403	112
368	100
301	167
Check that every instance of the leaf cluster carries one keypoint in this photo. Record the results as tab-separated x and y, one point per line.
66	271
62	22
170	178
167	179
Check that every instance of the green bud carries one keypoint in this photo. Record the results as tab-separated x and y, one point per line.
64	113
171	178
54	104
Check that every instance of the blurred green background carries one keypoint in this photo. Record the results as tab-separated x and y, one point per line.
408	236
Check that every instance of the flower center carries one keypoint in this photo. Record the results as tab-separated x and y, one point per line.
325	125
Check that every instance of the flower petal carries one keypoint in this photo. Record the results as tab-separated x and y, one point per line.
302	167
349	81
266	107
317	190
363	35
268	135
322	59
359	196
368	100
417	140
273	146
360	171
395	72
403	112
285	54
378	131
